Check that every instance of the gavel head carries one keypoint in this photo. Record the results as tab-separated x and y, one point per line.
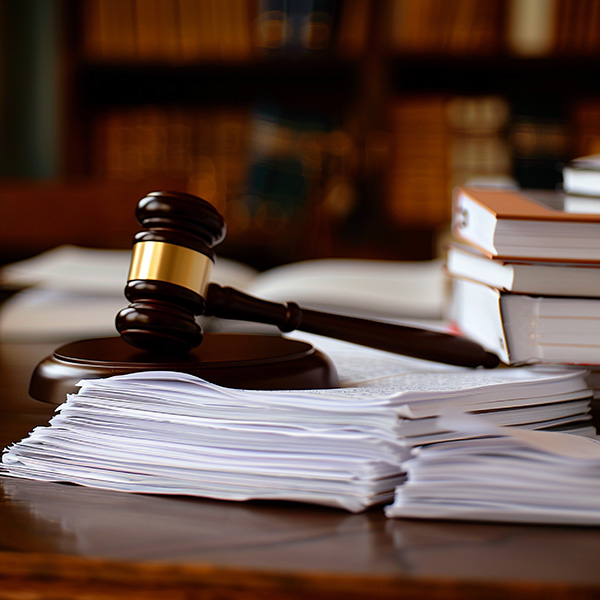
170	269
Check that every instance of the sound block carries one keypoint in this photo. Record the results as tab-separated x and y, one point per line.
236	360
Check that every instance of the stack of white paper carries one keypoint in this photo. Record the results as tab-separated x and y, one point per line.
505	474
162	432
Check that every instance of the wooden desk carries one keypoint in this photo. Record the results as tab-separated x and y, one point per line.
61	541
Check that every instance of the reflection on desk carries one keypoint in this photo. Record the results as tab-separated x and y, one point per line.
315	545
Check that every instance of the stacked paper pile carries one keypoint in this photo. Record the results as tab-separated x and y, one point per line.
505	474
170	433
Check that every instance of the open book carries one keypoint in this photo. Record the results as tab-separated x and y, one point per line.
77	292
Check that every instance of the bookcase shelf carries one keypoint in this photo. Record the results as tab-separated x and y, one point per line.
497	74
326	81
358	145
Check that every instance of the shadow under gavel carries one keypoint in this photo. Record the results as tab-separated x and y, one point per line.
168	287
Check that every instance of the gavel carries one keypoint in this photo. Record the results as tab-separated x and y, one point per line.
169	286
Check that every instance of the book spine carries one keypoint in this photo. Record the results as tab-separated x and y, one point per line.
476	313
473	222
531	27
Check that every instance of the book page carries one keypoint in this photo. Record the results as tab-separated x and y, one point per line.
392	289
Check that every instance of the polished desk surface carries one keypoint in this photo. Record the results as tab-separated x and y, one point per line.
60	541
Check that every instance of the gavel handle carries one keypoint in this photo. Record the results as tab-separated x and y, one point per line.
229	303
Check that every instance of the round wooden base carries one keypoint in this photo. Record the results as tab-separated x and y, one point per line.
246	361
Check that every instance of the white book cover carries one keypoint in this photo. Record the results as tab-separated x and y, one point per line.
520	328
525	277
582	176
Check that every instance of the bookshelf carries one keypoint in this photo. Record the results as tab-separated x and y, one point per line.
256	129
347	144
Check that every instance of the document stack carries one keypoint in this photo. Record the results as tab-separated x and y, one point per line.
504	474
170	433
526	280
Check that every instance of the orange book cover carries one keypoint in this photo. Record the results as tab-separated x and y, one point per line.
534	205
526	224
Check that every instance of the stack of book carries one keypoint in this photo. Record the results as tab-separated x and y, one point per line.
527	279
581	182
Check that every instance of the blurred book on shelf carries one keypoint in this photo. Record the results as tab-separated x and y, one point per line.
528	28
384	166
577	28
585	126
419	177
465	27
479	147
438	142
354	22
554	27
206	147
168	30
194	31
295	27
289	165
188	31
279	176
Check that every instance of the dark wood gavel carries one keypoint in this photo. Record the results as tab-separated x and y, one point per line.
168	287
